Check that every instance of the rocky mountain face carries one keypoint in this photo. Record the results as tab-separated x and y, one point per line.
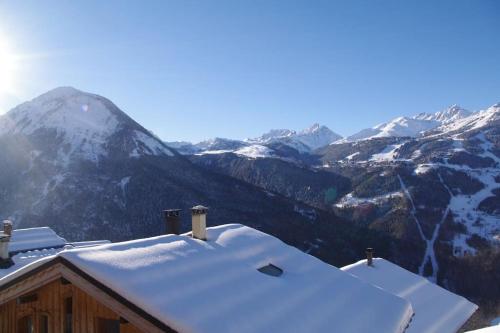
75	162
435	194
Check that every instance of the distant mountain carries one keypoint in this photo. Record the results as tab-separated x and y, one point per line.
411	126
280	143
451	114
308	139
473	122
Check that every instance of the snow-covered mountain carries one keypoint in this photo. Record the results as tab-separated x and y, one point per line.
453	113
473	121
411	126
311	138
81	123
269	144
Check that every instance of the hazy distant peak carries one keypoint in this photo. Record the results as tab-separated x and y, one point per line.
312	137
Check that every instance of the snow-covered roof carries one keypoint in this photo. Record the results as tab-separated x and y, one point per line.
436	309
34	238
491	329
215	286
28	259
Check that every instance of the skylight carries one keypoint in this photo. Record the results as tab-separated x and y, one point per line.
271	270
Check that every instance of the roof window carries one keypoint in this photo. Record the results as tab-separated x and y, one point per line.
271	270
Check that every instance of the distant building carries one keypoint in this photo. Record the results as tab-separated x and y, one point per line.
229	278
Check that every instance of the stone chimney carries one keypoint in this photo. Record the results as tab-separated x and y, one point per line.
7	227
5	260
199	220
172	221
369	256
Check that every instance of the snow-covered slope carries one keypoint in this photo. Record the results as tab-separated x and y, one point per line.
82	123
399	127
474	121
220	144
412	126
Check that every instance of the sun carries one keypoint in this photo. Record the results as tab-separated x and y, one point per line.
8	67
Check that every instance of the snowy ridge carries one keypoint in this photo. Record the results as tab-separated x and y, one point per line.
411	126
311	138
474	121
399	127
453	113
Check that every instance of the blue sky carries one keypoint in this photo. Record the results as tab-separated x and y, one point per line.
190	70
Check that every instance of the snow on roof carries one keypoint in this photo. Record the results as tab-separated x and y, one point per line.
436	309
29	259
215	286
491	329
34	238
89	243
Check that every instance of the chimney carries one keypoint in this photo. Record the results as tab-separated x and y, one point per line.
7	227
199	220
172	221
5	260
369	256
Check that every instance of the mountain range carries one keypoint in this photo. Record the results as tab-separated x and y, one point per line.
424	191
318	136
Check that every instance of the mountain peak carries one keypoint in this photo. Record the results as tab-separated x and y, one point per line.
83	121
312	137
313	128
60	93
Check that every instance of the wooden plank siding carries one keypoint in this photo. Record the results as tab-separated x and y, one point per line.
50	301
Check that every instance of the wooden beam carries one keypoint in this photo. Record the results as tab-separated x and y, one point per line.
30	284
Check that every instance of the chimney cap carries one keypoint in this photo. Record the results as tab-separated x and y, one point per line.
199	209
369	249
172	212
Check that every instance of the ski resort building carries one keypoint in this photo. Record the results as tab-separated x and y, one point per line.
229	278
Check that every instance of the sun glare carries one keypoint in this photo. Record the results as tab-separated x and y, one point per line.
7	67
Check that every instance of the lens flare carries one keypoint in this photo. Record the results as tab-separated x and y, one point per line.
8	67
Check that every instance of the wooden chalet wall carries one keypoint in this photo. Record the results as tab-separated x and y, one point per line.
50	301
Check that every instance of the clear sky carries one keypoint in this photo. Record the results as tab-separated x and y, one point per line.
190	70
